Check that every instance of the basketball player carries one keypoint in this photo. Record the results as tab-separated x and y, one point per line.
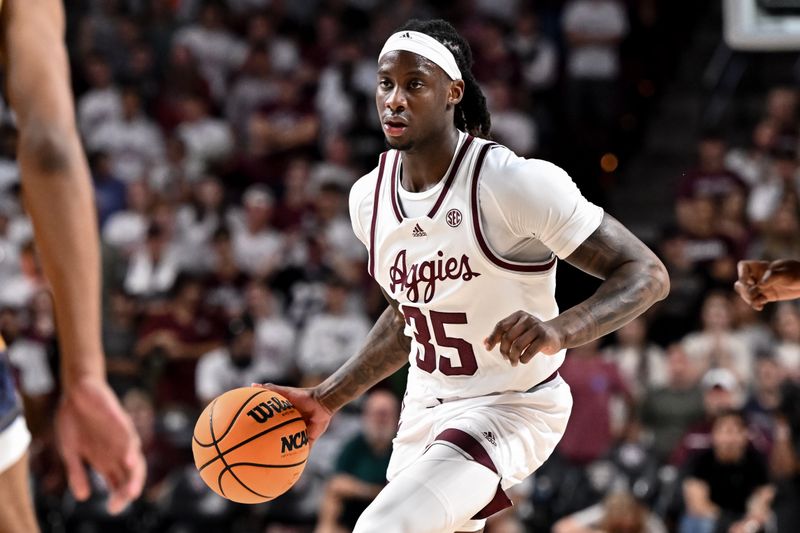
761	282
463	237
57	192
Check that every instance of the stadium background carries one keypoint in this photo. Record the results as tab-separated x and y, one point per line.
223	138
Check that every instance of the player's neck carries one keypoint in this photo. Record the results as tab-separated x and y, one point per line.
424	166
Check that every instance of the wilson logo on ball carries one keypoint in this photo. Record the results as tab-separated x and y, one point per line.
266	410
292	442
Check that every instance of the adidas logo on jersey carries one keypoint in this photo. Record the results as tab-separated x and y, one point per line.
418	232
490	437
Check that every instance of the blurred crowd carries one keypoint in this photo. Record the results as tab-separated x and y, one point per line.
223	138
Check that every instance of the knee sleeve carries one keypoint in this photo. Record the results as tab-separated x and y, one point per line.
439	493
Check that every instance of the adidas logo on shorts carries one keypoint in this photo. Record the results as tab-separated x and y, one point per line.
490	437
418	232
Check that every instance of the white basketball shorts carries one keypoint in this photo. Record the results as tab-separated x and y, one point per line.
511	433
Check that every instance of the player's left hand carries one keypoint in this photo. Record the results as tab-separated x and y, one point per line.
521	336
91	427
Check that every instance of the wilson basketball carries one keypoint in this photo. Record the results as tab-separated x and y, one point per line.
250	445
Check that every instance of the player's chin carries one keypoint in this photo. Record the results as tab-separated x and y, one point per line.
401	145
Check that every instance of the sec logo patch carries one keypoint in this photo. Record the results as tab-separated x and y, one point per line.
453	218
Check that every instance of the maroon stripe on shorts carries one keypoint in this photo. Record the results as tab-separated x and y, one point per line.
474	449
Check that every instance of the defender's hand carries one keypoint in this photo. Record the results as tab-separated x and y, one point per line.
761	282
521	336
317	417
91	427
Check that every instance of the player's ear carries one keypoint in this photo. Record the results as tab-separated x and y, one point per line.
455	92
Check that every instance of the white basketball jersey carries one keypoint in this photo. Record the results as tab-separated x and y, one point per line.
451	287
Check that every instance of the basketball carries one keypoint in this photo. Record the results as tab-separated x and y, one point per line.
250	445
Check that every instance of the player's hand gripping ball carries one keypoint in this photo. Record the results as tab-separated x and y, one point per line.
250	445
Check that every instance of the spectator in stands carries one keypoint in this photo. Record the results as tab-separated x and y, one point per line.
721	392
337	165
174	338
781	107
133	141
181	77
344	85
177	172
119	342
619	512
785	459
594	30
710	179
153	266
764	400
197	220
224	281
756	334
257	247
510	125
675	316
537	54
253	88
669	410
232	365
208	140
218	51
727	486
361	466
109	192
102	102
717	345
343	250
780	235
331	337
641	363
284	55
786	322
161	455
30	358
19	290
778	186
595	382
753	163
126	229
275	336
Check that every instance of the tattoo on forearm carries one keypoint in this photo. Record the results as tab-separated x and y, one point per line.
385	351
634	280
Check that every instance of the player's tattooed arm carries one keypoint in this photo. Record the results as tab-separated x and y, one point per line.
634	279
385	351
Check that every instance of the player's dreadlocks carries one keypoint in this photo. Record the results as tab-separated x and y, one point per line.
471	114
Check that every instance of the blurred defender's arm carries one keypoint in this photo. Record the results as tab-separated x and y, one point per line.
57	193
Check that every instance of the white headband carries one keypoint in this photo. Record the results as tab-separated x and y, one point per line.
426	46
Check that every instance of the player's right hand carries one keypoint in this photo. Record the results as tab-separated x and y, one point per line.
761	282
92	427
317	417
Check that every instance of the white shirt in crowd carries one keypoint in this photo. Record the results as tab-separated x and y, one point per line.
216	374
726	350
29	357
218	53
329	340
125	230
207	139
275	340
605	19
96	107
146	278
135	146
